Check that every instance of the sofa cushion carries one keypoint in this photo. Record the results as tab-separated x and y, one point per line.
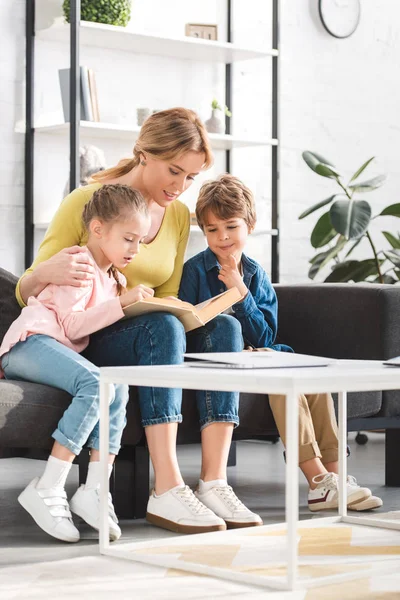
9	307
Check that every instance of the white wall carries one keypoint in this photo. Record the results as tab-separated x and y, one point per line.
338	97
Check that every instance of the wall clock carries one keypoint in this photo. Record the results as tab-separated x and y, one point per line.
340	17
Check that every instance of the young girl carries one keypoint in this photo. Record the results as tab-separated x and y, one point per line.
225	212
44	344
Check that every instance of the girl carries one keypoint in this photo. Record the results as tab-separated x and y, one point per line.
171	150
43	346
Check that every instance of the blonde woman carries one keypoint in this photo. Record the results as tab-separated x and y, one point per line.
170	152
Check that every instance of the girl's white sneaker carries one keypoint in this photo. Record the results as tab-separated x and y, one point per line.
50	510
222	500
86	504
326	494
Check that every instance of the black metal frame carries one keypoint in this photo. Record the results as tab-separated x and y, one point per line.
29	131
275	149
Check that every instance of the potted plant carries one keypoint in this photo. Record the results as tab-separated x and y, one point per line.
110	12
215	124
341	229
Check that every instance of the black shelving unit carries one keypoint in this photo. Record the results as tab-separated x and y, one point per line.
75	120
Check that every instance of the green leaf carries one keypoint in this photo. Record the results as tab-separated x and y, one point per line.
353	270
391	211
317	206
393	256
361	169
354	246
368	186
320	260
319	165
393	241
350	217
323	231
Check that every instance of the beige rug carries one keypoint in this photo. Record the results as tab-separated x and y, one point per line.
369	557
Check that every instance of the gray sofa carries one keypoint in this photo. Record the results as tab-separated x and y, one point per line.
336	320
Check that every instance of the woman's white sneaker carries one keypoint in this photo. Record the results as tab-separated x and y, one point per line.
50	510
180	511
222	500
86	504
326	494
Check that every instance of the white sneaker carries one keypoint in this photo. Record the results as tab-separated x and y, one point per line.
50	509
86	504
180	511
222	500
326	495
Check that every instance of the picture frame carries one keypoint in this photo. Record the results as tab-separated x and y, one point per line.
202	31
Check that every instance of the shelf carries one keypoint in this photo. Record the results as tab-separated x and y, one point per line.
115	131
193	229
186	48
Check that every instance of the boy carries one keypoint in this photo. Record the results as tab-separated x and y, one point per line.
226	214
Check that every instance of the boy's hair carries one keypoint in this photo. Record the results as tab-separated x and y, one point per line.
227	198
112	203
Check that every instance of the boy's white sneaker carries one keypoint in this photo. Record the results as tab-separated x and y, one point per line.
180	511
50	510
326	494
222	500
86	504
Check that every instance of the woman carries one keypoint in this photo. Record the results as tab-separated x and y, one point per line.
170	152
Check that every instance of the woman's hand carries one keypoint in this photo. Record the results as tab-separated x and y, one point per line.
70	266
140	292
230	276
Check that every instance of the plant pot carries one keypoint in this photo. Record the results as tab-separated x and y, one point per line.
215	124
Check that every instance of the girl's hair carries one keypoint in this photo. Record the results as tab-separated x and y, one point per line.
165	135
112	203
227	198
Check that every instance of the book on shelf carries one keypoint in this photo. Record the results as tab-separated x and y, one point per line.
191	316
87	91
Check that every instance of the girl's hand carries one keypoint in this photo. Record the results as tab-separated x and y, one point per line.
230	276
70	266
140	292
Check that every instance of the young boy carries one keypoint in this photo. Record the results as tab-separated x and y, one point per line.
226	214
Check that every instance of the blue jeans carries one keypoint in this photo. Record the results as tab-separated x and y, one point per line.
159	339
41	359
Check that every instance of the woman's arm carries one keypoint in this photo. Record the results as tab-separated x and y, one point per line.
60	260
171	286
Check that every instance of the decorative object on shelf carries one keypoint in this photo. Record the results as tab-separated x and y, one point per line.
202	31
340	18
346	223
215	124
142	114
91	160
110	12
88	94
193	220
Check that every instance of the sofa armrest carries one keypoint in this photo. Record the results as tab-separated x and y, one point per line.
358	321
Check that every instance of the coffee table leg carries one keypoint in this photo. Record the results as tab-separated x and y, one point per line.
342	425
105	394
292	485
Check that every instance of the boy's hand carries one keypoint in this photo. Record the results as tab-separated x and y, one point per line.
230	276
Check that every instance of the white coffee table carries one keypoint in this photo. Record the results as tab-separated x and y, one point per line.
342	377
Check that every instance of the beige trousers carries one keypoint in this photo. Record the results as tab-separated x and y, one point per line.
318	432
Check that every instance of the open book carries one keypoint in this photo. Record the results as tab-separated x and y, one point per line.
190	315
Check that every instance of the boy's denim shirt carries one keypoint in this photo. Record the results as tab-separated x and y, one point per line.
257	313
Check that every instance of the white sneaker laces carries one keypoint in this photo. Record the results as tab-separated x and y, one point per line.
229	497
193	503
328	481
56	500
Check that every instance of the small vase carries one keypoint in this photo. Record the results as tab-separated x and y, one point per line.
215	124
